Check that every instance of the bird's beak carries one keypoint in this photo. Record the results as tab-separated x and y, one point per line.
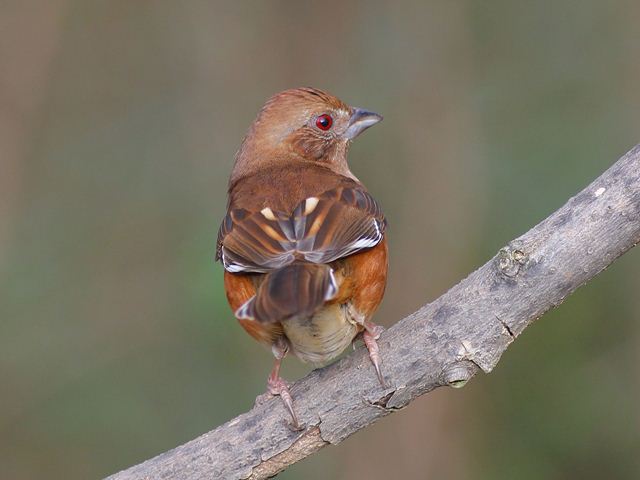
360	120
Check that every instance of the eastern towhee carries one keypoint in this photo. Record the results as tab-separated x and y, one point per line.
303	242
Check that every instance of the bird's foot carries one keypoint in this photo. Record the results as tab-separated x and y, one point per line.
278	386
371	334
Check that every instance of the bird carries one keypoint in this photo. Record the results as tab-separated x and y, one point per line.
303	242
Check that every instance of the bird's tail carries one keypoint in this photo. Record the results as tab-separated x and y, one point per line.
297	290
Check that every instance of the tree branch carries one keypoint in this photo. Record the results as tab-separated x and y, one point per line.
444	343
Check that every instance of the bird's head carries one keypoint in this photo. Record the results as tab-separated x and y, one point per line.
303	123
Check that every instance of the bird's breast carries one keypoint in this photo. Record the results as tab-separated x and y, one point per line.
322	337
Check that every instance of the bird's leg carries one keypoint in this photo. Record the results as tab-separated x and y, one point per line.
278	386
371	334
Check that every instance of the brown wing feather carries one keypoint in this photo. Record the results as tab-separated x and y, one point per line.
241	288
297	290
321	229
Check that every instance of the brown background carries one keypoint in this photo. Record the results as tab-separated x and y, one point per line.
118	125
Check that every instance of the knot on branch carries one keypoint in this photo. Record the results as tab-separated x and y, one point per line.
456	375
510	260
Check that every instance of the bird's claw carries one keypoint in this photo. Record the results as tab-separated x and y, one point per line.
371	334
278	386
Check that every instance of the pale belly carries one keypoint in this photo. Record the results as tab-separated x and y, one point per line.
324	336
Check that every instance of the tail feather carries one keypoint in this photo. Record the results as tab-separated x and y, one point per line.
299	290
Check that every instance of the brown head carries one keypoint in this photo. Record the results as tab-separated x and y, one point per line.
302	124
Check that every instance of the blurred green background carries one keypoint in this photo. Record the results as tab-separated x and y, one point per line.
119	121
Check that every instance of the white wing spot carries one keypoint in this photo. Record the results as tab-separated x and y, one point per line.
268	214
310	205
231	266
243	313
378	232
364	243
600	191
333	287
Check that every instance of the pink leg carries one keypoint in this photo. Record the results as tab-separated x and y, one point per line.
277	386
371	334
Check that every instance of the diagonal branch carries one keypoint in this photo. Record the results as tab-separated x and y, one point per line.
444	343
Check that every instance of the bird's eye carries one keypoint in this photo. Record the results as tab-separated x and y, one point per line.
324	122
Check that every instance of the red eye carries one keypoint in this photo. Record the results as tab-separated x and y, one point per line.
324	122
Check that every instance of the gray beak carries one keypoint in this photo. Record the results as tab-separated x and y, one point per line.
360	120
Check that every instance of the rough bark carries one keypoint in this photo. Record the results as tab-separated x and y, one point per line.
445	343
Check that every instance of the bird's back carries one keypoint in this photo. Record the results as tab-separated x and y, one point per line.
283	186
299	227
